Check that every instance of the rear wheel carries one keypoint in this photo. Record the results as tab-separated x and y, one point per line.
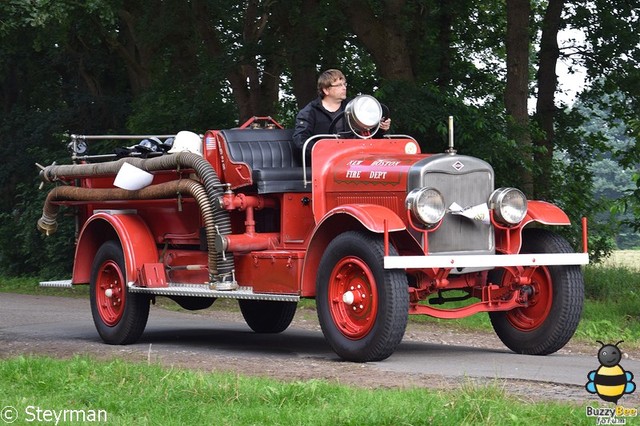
555	302
119	316
266	316
362	308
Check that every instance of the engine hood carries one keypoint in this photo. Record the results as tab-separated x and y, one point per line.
371	172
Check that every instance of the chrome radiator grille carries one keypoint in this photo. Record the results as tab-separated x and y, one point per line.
468	182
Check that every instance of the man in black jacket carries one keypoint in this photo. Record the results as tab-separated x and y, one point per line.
316	117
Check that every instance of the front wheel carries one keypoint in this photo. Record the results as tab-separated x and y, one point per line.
119	316
555	304
362	307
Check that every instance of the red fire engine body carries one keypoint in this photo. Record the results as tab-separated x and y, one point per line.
372	229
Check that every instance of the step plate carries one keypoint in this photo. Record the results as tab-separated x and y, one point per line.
57	284
196	290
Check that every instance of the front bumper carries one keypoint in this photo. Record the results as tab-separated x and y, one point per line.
485	260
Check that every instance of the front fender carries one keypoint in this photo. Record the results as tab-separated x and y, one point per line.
510	241
371	216
131	230
545	213
342	219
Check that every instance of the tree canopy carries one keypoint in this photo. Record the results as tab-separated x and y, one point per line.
160	66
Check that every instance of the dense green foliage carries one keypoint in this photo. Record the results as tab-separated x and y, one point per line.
157	395
110	66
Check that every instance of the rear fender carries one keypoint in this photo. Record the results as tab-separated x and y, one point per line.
130	230
344	218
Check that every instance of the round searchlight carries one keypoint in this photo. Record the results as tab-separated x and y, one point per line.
363	115
509	205
426	205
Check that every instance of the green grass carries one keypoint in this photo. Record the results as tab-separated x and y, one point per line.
30	285
142	394
612	310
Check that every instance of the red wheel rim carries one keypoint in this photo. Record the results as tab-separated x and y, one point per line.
531	317
110	293
353	297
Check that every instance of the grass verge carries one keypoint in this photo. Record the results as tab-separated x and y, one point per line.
132	393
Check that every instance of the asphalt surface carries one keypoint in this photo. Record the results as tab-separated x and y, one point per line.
57	324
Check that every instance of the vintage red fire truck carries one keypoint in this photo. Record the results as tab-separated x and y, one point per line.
371	228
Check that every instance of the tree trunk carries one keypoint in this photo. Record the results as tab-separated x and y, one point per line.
444	44
304	39
9	86
135	55
382	36
255	88
517	87
547	84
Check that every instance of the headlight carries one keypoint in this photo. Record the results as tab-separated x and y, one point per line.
363	114
426	205
509	205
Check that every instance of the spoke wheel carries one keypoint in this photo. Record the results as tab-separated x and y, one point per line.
362	307
352	279
120	317
111	292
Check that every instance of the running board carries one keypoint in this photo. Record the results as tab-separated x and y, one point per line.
193	290
199	290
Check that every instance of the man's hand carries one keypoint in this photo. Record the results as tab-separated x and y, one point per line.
385	123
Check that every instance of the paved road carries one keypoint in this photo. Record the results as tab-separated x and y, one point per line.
52	324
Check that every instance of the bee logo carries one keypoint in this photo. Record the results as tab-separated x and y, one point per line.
610	381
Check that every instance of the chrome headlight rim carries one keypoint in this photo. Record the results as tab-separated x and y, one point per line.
431	199
509	205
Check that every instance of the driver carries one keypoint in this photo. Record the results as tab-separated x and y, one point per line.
316	117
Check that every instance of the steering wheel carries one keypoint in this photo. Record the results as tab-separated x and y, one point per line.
348	133
334	123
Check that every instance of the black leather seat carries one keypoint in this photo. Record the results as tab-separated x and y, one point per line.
275	164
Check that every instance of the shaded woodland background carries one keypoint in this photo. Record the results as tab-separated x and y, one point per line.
160	66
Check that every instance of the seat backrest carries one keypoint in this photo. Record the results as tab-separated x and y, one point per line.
262	148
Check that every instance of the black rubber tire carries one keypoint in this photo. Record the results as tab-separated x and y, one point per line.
131	324
266	316
392	301
193	303
567	299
